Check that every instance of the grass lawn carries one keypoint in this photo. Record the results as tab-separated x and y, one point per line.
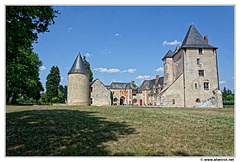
119	131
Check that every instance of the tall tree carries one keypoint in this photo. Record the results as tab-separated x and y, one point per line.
52	83
62	94
23	24
87	64
24	76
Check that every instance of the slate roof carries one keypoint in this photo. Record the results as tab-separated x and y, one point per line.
78	66
194	39
148	84
119	85
169	54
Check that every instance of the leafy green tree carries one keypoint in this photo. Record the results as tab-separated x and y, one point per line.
44	97
227	96
62	94
111	98
22	76
23	24
134	84
52	84
87	64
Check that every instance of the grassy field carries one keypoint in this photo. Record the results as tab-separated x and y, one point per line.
119	131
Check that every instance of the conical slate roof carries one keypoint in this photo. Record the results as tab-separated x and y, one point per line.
194	39
169	54
78	66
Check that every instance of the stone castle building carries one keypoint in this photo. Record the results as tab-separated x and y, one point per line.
190	80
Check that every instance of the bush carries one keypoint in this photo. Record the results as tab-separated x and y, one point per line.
226	102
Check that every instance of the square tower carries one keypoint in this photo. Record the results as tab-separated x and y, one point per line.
200	71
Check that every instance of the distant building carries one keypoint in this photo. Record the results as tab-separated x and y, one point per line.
99	94
190	80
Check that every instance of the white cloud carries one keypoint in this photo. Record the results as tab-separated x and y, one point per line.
171	43
117	35
222	82
129	71
144	77
132	70
114	80
62	78
70	28
41	68
105	70
88	55
159	69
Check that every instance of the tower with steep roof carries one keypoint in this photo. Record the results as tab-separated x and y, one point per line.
191	74
78	83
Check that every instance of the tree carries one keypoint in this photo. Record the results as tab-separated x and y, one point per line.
87	64
23	24
134	84
227	96
52	84
22	77
62	94
111	97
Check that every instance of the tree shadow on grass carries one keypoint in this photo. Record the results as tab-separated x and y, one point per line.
60	132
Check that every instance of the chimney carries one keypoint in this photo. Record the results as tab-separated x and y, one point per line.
157	77
206	38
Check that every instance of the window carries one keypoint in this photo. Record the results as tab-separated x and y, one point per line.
206	85
91	101
200	51
91	89
198	61
201	72
173	101
196	86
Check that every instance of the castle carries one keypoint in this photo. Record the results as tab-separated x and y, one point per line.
190	80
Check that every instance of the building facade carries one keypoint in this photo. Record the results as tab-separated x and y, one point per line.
190	80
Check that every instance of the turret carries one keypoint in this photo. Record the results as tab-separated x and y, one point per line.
78	83
168	67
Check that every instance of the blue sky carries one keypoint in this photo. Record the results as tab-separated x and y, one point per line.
125	43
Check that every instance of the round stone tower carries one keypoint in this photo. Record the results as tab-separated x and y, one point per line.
78	83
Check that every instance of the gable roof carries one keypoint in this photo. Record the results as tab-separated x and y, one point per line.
194	39
169	54
148	84
119	85
78	66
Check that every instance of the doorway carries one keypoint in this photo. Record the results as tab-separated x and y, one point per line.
122	100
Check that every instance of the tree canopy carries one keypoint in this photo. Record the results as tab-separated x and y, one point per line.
52	84
23	24
87	64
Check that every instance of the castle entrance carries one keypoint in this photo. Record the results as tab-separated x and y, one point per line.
122	100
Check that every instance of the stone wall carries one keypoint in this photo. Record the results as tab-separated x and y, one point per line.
194	83
100	95
78	89
174	95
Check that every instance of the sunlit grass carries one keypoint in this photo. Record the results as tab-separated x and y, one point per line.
130	131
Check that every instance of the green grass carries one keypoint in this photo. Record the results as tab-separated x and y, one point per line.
119	131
